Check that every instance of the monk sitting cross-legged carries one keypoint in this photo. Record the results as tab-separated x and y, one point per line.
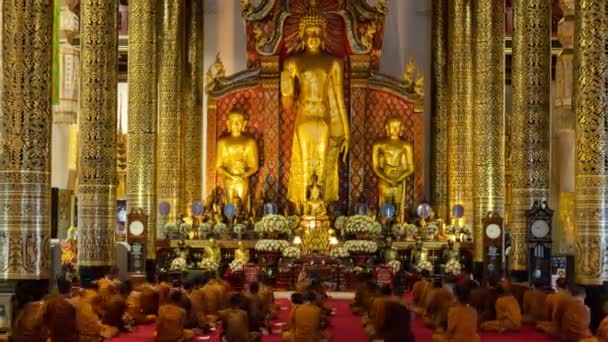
553	302
88	321
602	330
438	302
306	322
236	323
170	321
420	292
29	325
534	309
573	317
364	288
397	324
508	312
376	318
462	320
483	299
60	314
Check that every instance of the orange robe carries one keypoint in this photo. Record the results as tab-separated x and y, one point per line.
211	302
483	299
556	303
114	308
420	293
269	308
60	319
461	325
508	315
135	309
361	295
534	307
198	307
88	323
236	326
602	330
170	324
149	299
575	321
436	311
29	325
305	320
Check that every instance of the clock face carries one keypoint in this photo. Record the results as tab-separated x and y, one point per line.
136	228
540	229
492	231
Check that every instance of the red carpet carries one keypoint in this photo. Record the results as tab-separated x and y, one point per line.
345	328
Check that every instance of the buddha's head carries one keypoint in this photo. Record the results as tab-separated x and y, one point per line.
393	127
236	123
240	244
312	28
212	242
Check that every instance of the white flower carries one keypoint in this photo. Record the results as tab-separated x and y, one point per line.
208	264
395	265
450	229
466	230
204	227
361	246
412	229
424	265
398	229
185	227
452	267
273	224
291	252
220	228
362	224
293	221
432	229
340	223
271	245
170	227
239	228
236	265
339	252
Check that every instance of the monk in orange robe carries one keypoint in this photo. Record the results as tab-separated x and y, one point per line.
29	325
110	283
60	314
296	300
483	299
420	292
462	320
164	290
397	323
266	294
439	300
88	322
252	304
573	317
170	321
364	288
236	323
534	304
555	303
376	320
508	312
602	330
212	297
306	322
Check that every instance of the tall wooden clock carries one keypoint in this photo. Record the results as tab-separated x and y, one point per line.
539	242
493	240
137	236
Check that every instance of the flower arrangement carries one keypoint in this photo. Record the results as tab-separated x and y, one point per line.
185	227
395	265
452	267
238	228
431	229
204	227
411	229
273	224
450	229
170	227
362	224
340	223
271	245
361	246
424	265
398	229
466	230
209	264
236	265
293	222
220	228
291	252
339	252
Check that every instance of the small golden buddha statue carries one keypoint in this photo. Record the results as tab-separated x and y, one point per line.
321	128
241	253
420	253
390	253
180	262
314	199
237	159
213	252
452	253
392	163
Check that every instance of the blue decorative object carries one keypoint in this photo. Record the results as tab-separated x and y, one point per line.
197	208
458	211
387	210
229	210
424	210
164	208
270	209
361	209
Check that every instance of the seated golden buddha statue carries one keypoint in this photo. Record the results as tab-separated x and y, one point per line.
241	253
180	262
392	163
321	127
420	253
213	252
237	159
315	206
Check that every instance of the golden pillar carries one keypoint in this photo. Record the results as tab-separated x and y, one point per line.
141	147
489	152
192	145
25	139
530	128
439	103
460	112
591	105
97	137
168	163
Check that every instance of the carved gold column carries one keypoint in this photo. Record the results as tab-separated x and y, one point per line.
25	139
439	116
460	112
97	137
192	124
531	117
141	147
489	171
168	163
591	105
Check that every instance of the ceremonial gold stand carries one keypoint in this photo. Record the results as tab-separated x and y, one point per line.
316	234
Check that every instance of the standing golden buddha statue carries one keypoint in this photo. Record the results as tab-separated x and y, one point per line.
321	127
237	160
392	163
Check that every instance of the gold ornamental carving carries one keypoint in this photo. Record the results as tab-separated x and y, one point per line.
591	82
460	113
530	120
141	148
25	139
97	133
169	163
489	114
439	109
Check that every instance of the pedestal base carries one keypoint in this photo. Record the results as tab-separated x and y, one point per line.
315	238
